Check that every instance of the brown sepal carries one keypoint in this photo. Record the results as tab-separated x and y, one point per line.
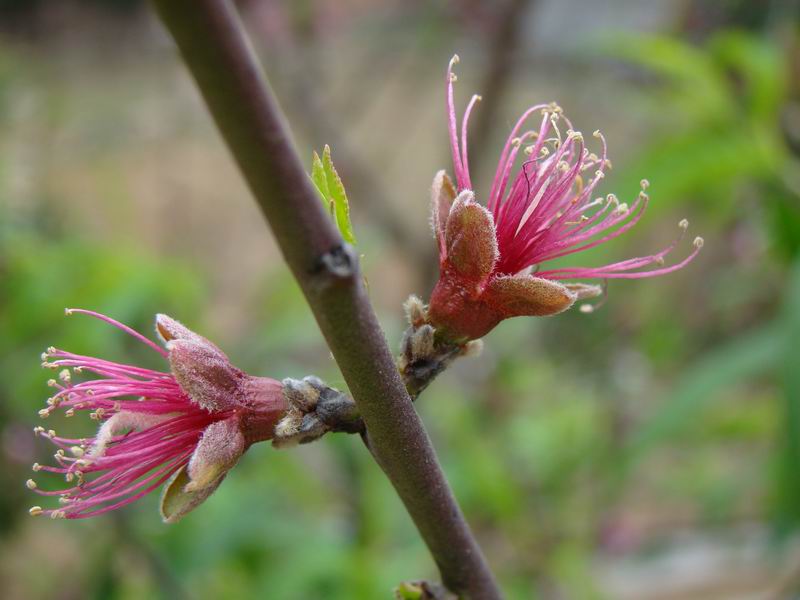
523	295
470	238
443	193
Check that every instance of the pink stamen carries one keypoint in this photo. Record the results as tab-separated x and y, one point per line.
464	158
157	437
546	213
452	124
119	325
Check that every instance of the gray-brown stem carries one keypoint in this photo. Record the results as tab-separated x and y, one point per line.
210	37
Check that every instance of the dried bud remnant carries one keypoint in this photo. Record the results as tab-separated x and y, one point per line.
314	409
423	352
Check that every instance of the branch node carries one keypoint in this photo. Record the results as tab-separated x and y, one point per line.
341	262
423	355
314	409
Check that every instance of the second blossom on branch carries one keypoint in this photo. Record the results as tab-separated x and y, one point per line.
541	206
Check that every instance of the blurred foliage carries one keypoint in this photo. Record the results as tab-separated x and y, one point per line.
727	142
719	128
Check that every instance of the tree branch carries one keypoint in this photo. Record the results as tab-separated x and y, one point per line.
211	40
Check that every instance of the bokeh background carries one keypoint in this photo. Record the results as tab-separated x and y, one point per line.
650	450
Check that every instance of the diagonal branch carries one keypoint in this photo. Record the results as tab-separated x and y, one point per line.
211	40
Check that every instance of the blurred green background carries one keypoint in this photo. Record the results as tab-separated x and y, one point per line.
650	450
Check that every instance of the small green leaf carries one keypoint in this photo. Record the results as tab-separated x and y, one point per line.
318	177
331	190
408	591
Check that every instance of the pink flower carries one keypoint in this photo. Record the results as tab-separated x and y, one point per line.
186	427
491	256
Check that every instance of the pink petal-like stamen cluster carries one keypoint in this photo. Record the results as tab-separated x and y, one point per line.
149	429
545	210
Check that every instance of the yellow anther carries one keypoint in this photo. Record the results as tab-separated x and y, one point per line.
453	61
30	484
698	242
35	511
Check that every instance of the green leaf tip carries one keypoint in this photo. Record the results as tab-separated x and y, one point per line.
422	590
331	191
408	591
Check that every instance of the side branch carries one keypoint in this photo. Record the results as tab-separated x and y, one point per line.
211	40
